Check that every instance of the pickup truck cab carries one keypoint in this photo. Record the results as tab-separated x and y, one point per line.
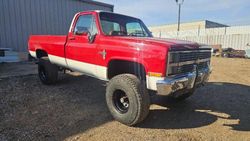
120	49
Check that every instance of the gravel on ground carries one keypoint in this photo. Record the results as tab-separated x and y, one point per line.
75	108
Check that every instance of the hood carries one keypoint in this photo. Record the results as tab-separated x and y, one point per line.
163	42
171	42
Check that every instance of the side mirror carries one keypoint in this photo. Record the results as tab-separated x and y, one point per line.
81	31
84	31
91	38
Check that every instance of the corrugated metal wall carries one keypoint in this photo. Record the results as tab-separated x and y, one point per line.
204	32
239	42
21	18
237	37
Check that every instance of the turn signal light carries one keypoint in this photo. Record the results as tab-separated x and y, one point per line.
155	74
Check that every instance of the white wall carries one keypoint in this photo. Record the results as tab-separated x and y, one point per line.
235	37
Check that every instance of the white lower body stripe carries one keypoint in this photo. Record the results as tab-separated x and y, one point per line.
90	69
32	53
58	60
86	68
97	71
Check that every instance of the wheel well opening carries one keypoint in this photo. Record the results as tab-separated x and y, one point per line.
41	53
117	67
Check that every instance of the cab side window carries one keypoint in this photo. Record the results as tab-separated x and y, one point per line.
109	27
135	29
86	23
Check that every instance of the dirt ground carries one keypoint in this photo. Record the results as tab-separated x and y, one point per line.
75	109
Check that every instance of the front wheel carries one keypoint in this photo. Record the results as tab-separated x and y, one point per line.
127	99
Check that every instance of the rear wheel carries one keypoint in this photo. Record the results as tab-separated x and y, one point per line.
127	99
47	72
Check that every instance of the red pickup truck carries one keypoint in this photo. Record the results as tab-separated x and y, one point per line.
120	49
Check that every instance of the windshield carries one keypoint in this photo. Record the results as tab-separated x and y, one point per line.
119	25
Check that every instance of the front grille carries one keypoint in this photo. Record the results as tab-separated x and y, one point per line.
190	56
187	68
204	55
202	65
183	61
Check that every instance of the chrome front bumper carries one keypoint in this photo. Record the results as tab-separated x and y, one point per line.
183	83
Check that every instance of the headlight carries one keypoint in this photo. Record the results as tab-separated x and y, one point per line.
174	57
172	70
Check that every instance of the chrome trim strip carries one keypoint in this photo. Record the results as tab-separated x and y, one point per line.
188	62
168	64
190	51
203	60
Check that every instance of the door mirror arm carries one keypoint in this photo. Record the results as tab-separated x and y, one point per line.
91	38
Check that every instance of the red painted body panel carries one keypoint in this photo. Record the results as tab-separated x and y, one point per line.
151	56
53	45
150	52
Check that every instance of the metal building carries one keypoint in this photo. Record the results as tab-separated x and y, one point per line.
205	24
21	18
236	37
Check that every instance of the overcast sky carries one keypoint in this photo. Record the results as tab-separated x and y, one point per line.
158	12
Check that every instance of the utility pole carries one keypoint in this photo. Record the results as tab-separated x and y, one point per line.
179	3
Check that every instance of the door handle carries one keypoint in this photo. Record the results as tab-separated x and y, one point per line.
72	38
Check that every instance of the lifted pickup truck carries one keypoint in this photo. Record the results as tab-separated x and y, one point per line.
120	49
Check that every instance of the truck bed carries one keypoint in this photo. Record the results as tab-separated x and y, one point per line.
53	44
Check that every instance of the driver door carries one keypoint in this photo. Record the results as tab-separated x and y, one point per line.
80	53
